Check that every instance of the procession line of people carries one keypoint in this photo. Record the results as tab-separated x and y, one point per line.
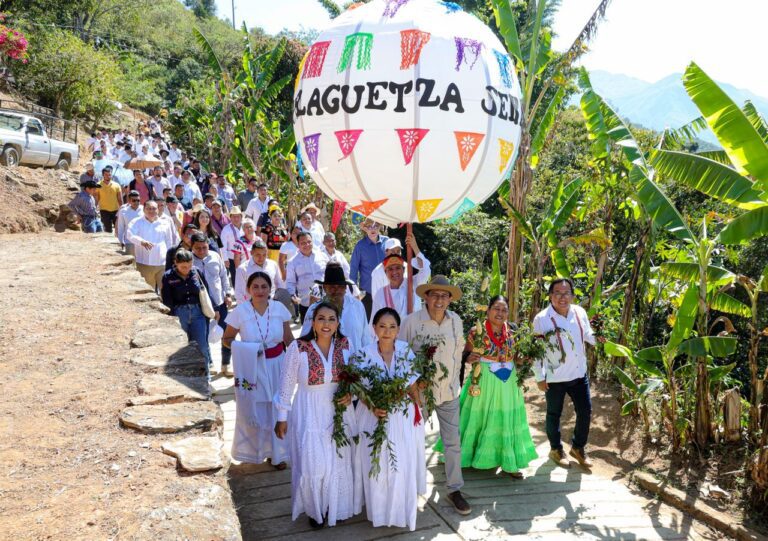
231	269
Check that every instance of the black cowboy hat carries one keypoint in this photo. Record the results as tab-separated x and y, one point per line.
334	276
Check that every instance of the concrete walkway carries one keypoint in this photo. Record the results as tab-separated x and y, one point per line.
550	503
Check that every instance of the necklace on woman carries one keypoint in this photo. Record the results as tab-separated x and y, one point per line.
263	335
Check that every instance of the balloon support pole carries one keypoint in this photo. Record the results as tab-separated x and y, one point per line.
409	255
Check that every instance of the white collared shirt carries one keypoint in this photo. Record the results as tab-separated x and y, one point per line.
124	217
337	257
575	332
244	272
256	208
229	235
302	272
159	233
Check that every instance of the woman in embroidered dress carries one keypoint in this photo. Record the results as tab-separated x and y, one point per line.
392	497
264	325
274	233
494	425
322	481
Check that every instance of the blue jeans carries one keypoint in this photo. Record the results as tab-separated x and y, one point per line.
578	390
195	324
91	224
226	353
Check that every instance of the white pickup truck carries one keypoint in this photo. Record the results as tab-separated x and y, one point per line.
23	140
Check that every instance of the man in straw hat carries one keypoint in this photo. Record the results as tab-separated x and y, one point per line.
353	324
435	324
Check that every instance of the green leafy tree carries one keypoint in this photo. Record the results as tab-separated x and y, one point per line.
67	75
202	8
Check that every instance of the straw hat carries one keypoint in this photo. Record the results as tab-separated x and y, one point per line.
439	283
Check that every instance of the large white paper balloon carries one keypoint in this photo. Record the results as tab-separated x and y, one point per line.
407	110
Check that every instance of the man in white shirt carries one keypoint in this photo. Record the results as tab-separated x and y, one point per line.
317	228
158	181
151	237
162	213
395	293
175	178
230	234
174	153
334	256
125	216
563	371
259	262
307	224
213	270
353	324
258	205
306	266
420	263
191	189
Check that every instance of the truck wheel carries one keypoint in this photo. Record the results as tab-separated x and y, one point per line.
10	157
63	163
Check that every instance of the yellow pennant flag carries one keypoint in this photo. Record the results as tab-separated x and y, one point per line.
506	148
425	208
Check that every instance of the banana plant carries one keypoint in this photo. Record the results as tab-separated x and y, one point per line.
661	370
737	175
544	238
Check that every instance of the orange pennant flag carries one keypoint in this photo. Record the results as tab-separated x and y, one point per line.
506	148
468	143
425	208
368	207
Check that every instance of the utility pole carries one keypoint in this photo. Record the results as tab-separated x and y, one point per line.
233	15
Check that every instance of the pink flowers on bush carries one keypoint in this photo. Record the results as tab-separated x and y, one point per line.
13	44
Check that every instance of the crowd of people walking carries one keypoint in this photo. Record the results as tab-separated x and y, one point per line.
233	270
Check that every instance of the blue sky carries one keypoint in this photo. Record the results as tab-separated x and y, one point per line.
647	39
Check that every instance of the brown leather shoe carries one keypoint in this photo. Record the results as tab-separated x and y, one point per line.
459	503
581	457
558	457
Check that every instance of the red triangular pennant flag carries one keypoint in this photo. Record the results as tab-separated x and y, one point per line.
347	141
468	143
368	207
338	212
409	140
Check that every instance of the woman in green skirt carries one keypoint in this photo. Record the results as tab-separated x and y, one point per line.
493	423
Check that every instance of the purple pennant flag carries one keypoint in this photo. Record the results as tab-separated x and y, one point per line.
466	48
311	146
392	7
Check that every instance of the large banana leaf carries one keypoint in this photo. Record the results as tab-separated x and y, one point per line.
748	226
507	25
689	272
738	137
495	286
708	177
679	137
537	143
661	210
571	196
717	346
756	119
722	302
685	318
210	54
525	226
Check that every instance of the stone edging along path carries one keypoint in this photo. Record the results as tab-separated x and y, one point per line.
172	399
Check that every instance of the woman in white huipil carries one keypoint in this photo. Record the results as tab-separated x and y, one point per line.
264	325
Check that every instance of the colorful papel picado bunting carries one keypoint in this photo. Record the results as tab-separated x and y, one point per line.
425	208
311	148
409	140
506	148
366	208
411	44
392	6
338	212
362	41
468	143
465	207
503	60
467	52
347	141
313	66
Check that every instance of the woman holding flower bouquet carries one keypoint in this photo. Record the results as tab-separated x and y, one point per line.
322	481
393	479
494	425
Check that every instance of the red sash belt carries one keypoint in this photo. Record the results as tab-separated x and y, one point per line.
275	351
